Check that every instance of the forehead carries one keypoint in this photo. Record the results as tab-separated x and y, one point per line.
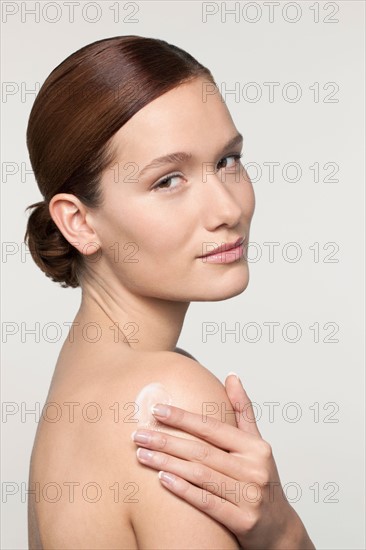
190	116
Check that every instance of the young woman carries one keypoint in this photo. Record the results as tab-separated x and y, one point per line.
138	161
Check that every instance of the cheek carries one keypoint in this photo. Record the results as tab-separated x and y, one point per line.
154	235
158	227
144	240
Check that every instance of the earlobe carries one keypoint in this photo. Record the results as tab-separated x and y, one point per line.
70	216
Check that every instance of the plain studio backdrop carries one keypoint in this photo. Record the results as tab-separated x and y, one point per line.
292	75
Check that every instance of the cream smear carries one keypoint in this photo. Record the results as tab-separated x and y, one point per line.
150	395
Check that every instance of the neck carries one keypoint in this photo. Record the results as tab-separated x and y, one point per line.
142	323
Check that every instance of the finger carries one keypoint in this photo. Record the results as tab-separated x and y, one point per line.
221	510
203	426
242	405
196	452
208	480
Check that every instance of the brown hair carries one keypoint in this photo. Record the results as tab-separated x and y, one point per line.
82	103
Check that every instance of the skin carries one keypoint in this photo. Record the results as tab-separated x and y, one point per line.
258	512
165	232
168	230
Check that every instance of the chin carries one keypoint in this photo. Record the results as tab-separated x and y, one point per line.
230	292
226	286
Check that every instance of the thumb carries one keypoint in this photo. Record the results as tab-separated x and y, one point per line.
241	403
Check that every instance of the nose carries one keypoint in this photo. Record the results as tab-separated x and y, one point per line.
221	201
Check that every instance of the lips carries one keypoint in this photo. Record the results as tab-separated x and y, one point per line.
224	247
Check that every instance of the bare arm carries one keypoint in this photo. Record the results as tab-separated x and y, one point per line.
163	520
230	453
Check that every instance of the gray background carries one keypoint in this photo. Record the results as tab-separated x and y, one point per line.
315	384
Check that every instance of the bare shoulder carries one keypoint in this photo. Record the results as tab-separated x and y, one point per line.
105	496
194	388
193	384
188	383
184	352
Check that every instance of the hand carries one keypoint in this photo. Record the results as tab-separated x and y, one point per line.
236	482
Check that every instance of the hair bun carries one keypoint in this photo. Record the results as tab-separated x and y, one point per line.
53	254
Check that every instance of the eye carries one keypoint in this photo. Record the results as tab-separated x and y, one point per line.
165	181
236	158
165	185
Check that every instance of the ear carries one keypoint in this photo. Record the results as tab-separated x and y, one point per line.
70	216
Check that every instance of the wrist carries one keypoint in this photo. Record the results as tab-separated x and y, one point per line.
295	537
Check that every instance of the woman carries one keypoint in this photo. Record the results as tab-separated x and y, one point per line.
138	160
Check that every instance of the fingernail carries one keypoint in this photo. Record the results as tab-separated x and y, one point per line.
141	436
234	373
144	454
237	377
160	410
168	478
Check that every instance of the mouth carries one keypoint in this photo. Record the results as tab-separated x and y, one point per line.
224	247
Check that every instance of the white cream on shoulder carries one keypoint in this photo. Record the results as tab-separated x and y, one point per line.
147	397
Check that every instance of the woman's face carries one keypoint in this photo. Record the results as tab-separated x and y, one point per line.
152	232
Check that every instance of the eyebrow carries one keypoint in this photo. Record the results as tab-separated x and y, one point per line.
181	156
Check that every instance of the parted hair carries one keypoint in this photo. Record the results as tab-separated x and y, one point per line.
83	102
